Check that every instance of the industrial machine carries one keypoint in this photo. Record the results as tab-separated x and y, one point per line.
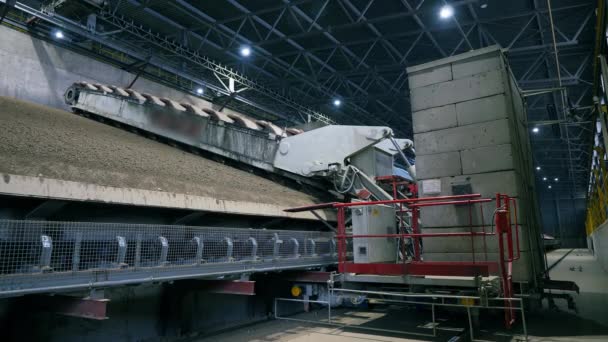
369	172
60	256
360	163
375	239
347	157
378	241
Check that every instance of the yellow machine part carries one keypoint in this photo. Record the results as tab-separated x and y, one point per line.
296	291
467	301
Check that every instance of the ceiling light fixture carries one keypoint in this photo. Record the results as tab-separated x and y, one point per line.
446	11
245	51
535	130
337	102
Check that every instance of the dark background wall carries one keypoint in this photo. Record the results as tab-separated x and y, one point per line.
564	219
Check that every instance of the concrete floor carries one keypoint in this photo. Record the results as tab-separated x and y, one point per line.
589	324
592	303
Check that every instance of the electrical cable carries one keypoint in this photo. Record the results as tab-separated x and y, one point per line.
352	181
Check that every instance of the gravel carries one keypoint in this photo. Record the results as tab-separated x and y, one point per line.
45	142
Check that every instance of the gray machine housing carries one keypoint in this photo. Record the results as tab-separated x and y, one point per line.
374	219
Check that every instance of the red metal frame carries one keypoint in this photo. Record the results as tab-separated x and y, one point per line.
417	266
90	308
423	268
504	226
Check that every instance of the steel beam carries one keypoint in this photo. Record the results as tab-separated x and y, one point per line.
194	56
305	52
265	54
90	308
233	287
416	32
305	276
158	62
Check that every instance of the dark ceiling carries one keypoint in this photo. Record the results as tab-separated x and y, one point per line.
307	53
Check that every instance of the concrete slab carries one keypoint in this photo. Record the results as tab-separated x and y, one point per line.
455	58
481	110
463	137
434	118
57	189
581	267
485	184
451	216
41	143
476	65
487	159
464	89
435	75
439	165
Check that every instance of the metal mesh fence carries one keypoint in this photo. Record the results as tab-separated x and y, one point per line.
50	247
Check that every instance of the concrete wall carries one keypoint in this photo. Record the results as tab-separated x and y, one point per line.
599	240
470	135
37	71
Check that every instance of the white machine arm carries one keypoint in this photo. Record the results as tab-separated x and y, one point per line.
314	152
351	155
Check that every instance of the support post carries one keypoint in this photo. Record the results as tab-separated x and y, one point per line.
313	247
138	251
164	250
229	248
341	240
76	251
122	251
416	230
276	245
199	249
254	248
501	222
296	247
45	255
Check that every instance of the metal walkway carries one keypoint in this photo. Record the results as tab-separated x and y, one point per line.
48	256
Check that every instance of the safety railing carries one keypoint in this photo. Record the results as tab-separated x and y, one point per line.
51	254
433	301
504	227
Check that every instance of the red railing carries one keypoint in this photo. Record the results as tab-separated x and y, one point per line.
417	266
504	226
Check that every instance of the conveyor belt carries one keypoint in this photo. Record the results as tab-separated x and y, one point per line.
43	142
46	256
